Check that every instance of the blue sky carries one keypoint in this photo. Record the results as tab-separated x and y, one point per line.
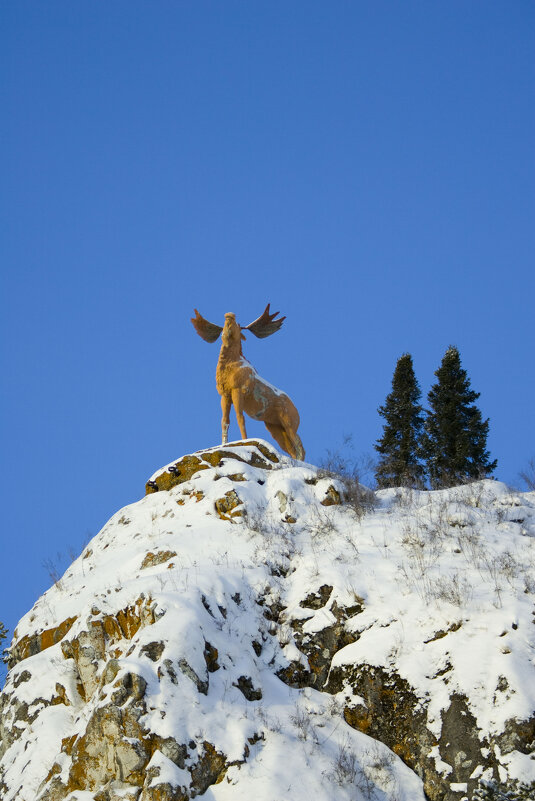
367	167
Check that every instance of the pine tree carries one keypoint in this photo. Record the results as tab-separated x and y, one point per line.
399	464
455	434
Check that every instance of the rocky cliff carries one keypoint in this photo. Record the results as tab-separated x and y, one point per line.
256	627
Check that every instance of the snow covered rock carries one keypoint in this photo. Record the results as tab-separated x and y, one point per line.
256	627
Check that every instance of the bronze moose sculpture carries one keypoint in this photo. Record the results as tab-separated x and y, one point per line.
238	382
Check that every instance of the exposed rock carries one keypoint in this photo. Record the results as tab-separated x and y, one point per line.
518	735
180	472
35	643
319	647
112	747
245	684
117	791
210	657
394	714
391	712
152	559
332	497
23	676
210	768
283	500
226	506
153	650
89	648
188	466
153	790
441	633
315	600
461	742
187	670
236	477
253	459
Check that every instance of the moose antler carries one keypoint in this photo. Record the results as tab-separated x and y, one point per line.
208	331
265	325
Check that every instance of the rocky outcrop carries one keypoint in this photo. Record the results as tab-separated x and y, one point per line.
321	645
188	466
114	753
39	641
246	604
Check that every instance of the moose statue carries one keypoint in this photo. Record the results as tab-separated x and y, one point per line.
238	382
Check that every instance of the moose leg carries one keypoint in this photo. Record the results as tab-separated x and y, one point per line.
279	435
288	439
237	400
297	446
289	421
226	403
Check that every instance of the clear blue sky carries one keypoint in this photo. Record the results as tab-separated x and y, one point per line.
368	167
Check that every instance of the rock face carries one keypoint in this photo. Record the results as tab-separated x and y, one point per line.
247	630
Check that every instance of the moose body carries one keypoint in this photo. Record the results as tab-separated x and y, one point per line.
239	384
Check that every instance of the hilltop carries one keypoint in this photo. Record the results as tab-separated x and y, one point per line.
258	627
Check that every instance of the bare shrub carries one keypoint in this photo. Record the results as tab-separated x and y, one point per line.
380	766
335	463
342	462
405	497
453	589
373	778
345	767
473	493
383	546
508	566
257	519
356	496
52	568
423	542
350	541
271	722
440	517
528	475
422	549
471	545
321	521
335	706
55	567
302	722
417	579
273	530
501	514
276	546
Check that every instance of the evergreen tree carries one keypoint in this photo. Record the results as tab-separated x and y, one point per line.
455	435
399	463
3	633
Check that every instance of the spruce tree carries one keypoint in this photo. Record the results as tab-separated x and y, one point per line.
455	434
399	463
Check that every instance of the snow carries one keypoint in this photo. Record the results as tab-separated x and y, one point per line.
168	772
446	580
263	381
